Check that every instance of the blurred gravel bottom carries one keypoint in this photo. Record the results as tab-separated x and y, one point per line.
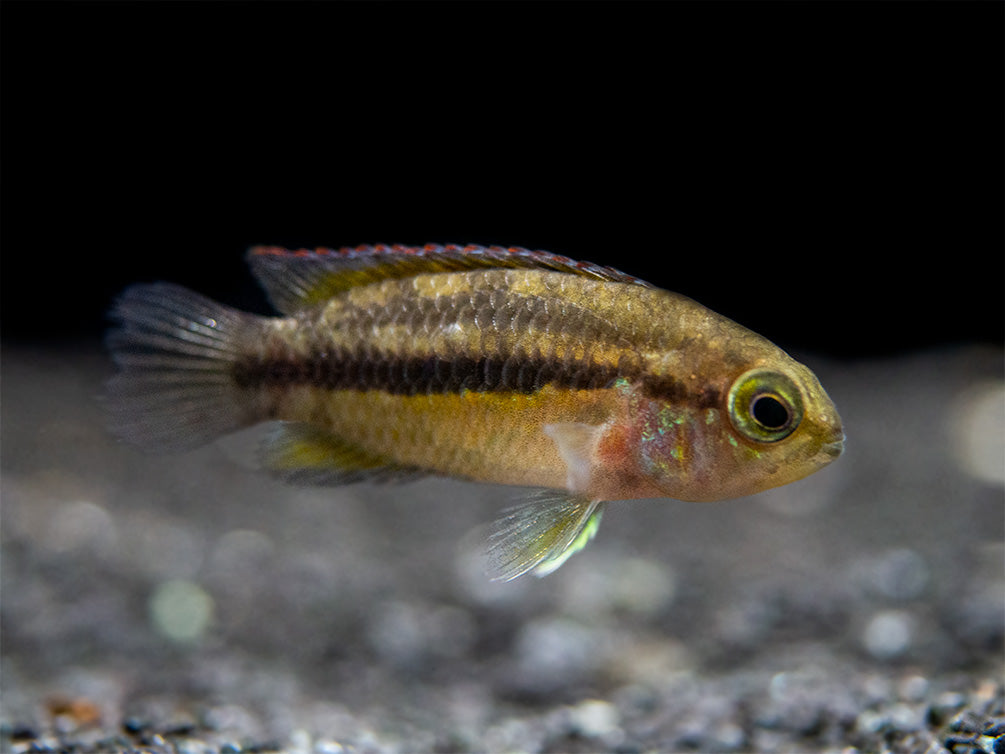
186	604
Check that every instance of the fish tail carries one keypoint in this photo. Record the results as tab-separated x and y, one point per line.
175	350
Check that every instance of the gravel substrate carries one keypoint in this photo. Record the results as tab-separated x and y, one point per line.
187	604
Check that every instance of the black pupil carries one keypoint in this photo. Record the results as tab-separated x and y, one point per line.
769	412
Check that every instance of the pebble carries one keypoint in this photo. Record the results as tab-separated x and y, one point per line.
181	610
687	714
596	719
913	688
556	652
900	574
888	634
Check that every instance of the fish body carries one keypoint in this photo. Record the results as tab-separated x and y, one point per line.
497	365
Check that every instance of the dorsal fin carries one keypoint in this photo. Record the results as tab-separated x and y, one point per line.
298	279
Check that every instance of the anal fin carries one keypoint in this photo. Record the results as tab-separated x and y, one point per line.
305	454
541	534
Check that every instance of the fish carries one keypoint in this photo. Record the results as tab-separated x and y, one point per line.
486	363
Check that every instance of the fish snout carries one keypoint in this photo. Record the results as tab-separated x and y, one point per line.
833	436
833	449
833	445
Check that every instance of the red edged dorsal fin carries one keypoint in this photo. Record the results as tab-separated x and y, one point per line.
295	280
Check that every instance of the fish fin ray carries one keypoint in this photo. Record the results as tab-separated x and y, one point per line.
304	454
541	534
295	280
577	443
174	349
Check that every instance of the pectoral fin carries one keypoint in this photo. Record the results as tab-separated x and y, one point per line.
541	534
577	443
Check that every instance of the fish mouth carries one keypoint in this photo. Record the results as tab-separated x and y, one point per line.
832	449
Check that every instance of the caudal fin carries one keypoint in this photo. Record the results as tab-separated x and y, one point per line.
175	350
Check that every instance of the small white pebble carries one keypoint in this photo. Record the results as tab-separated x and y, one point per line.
729	737
888	634
913	688
595	719
81	525
181	610
328	746
870	722
906	718
300	742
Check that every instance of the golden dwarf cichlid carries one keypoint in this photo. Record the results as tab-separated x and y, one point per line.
497	365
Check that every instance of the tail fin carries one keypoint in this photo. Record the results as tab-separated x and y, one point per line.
175	350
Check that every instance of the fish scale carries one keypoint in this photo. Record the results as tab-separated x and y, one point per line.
478	340
496	365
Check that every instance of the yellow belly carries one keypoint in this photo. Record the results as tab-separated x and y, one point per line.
485	436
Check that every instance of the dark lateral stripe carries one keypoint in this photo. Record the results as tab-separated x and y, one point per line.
418	375
422	375
678	392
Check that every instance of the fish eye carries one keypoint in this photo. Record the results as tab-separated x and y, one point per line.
765	406
769	412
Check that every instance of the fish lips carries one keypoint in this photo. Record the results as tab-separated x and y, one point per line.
831	450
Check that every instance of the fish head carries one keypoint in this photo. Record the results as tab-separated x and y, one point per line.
763	423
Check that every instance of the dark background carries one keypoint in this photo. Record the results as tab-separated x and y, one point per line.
828	174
